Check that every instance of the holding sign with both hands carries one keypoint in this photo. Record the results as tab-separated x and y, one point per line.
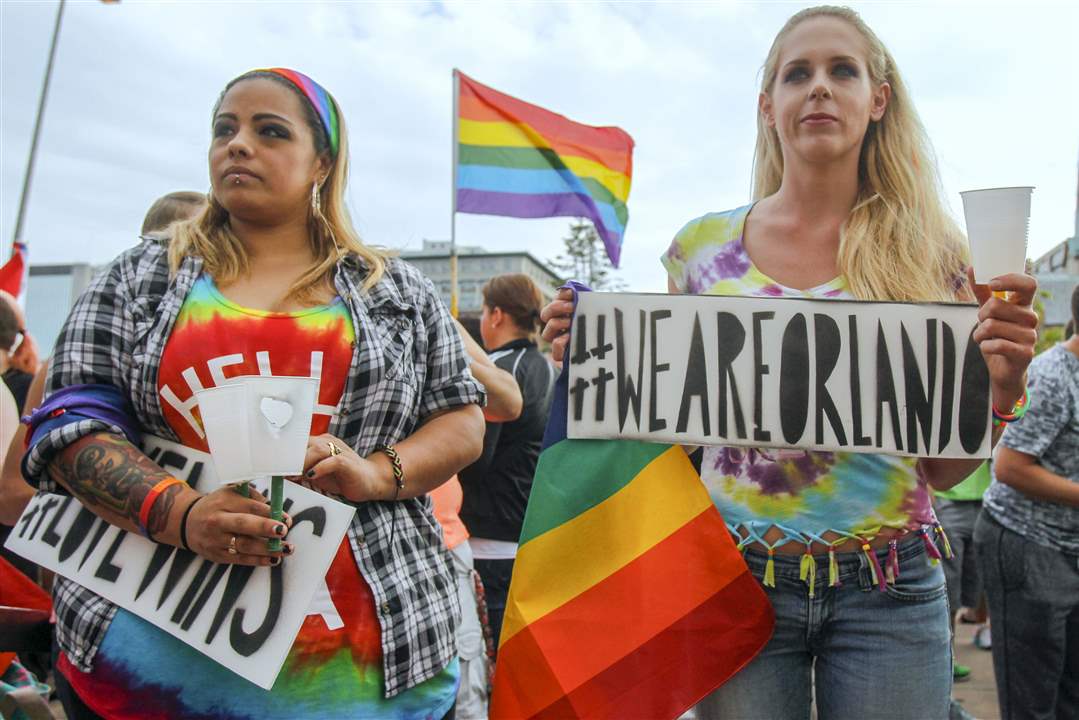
846	206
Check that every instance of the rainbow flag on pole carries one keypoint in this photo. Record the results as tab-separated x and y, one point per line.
629	598
520	160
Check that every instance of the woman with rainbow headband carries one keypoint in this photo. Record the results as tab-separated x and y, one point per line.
271	277
846	205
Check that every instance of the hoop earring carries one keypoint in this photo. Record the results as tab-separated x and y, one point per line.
316	212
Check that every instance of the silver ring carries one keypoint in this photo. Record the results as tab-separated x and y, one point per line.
232	545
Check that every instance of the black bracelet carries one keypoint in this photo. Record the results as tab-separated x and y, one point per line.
183	523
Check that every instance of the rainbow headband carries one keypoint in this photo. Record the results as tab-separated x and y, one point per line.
319	99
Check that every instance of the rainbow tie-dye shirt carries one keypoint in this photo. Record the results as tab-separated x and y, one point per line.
809	496
334	669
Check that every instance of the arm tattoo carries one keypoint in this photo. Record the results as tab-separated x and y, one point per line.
158	519
109	473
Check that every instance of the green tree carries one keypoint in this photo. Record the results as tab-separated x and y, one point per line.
1047	337
584	258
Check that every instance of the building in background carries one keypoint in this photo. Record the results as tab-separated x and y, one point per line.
1058	274
475	266
51	290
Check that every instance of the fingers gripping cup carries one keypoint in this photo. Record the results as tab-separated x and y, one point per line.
997	221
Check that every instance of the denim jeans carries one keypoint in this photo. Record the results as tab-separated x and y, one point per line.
957	517
496	587
1033	594
867	653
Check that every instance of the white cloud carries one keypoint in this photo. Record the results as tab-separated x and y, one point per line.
128	114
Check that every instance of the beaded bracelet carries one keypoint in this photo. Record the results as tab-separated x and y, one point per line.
149	501
1018	411
398	471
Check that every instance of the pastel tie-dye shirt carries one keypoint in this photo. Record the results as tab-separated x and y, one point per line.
803	493
334	669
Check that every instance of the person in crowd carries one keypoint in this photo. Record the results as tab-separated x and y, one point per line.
503	405
18	364
18	349
846	205
498	484
1027	544
503	394
169	208
15	492
957	510
272	275
473	691
9	420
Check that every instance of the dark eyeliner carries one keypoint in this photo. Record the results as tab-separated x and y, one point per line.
277	130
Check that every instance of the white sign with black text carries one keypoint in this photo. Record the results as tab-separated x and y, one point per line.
834	375
243	617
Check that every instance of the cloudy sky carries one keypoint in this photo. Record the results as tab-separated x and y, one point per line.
128	113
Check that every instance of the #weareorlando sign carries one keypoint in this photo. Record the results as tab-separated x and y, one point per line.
874	377
246	618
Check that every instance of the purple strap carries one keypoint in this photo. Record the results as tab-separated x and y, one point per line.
76	403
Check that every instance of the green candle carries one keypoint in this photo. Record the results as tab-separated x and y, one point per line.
277	499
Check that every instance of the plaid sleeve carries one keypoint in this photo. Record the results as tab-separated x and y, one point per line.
449	382
91	349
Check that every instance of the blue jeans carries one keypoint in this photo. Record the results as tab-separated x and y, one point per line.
872	654
495	575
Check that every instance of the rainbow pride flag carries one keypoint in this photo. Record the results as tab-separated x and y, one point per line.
520	160
628	598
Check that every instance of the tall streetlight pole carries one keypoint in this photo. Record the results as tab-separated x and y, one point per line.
25	196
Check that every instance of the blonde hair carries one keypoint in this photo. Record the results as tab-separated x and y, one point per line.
174	206
898	243
331	234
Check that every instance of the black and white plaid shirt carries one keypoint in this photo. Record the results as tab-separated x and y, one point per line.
408	362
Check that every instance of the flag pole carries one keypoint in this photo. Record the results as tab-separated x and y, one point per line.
453	201
37	130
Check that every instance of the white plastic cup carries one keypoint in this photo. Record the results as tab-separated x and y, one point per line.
224	418
997	221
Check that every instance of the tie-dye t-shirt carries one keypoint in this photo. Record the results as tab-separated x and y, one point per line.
334	669
803	493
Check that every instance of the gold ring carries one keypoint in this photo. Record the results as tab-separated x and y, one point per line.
232	545
334	450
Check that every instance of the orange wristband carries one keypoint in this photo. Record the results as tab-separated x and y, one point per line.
151	498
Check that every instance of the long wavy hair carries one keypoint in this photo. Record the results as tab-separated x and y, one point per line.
899	242
330	231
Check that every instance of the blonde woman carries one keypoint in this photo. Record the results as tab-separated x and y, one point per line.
847	205
270	277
